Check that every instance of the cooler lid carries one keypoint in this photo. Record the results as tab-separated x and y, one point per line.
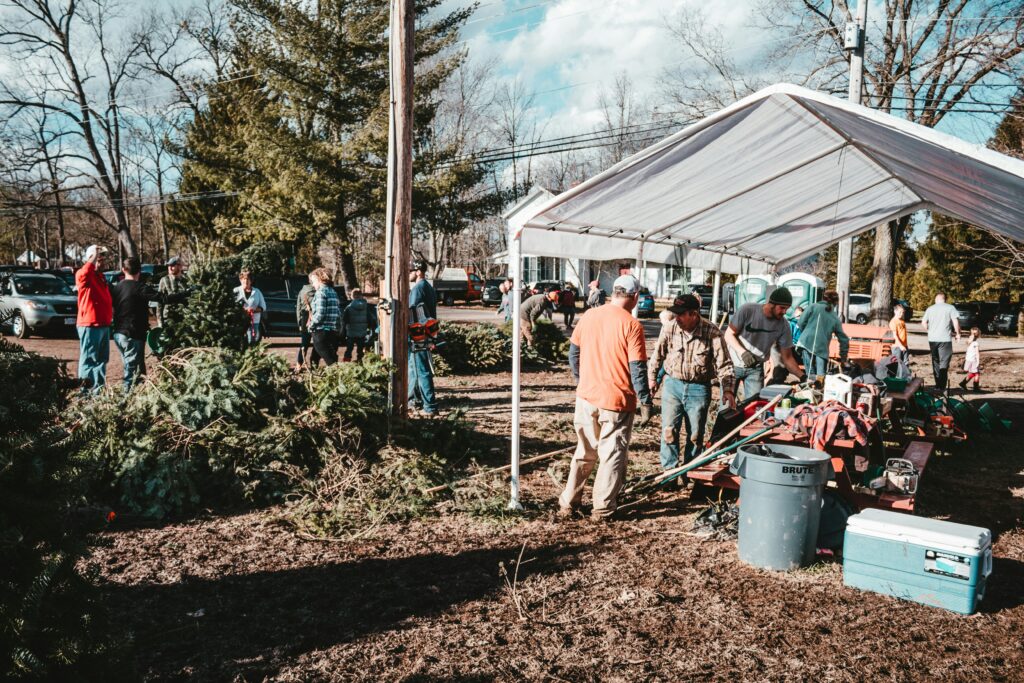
920	530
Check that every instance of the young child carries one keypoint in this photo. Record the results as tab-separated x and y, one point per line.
972	361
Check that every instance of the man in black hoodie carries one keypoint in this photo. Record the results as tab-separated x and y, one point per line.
131	299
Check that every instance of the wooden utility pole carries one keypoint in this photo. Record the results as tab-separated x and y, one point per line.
854	42
399	214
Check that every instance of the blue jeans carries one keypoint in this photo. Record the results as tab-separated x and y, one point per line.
421	381
752	380
93	354
133	355
814	365
682	404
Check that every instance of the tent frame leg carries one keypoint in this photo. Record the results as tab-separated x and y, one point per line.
516	263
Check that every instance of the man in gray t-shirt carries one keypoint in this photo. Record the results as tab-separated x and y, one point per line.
942	324
750	336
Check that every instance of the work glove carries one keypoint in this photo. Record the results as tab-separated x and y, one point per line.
646	411
749	359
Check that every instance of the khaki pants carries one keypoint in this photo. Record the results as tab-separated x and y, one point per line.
526	331
603	441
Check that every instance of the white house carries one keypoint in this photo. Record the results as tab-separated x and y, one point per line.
662	280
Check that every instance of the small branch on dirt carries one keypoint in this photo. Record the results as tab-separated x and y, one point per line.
536	458
513	585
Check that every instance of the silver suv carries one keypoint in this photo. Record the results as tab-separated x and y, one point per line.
860	308
36	302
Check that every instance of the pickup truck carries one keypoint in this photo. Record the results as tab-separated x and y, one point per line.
456	284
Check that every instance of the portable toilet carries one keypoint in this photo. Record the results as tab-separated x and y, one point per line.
806	289
752	289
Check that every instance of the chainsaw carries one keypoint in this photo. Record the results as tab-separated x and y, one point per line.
899	476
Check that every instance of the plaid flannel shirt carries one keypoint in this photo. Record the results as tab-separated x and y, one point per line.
698	359
325	310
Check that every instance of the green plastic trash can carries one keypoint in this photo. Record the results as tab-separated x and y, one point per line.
781	491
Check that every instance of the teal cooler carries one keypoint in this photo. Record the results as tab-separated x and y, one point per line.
915	558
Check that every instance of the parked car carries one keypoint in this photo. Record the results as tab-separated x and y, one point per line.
32	303
542	286
65	274
457	284
859	310
967	315
1006	322
645	303
987	311
492	295
281	293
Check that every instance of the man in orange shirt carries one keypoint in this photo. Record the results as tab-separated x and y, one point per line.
608	358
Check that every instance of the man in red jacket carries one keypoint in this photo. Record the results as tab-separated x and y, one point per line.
95	313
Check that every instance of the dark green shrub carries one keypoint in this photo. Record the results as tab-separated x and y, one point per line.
50	624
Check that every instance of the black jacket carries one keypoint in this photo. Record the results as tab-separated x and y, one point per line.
131	307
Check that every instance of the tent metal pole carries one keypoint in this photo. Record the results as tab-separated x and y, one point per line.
643	274
516	261
716	287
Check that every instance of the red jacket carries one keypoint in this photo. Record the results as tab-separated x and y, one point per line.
95	308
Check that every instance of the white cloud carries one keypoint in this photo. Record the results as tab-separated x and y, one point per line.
578	47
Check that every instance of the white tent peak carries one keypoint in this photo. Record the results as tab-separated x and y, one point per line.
774	178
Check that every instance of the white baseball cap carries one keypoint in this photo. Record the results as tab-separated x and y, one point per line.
627	282
93	250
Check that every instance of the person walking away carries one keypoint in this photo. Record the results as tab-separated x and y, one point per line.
530	312
422	307
355	325
324	314
608	359
505	308
131	299
692	352
817	325
171	285
303	306
898	325
254	304
972	361
595	296
941	323
567	305
750	335
95	314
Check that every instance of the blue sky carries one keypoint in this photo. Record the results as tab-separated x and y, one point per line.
567	51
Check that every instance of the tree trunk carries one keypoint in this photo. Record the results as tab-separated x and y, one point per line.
163	214
61	243
886	238
348	269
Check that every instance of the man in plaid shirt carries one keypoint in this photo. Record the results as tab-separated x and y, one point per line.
691	351
323	316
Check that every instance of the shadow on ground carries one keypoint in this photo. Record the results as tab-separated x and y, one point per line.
243	626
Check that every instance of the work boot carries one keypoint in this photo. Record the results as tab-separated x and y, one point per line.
963	384
977	388
566	513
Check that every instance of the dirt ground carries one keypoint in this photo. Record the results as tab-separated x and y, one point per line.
530	597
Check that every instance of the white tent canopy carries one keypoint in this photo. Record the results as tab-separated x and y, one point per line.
772	179
764	183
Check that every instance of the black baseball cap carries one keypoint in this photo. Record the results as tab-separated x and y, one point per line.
684	303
